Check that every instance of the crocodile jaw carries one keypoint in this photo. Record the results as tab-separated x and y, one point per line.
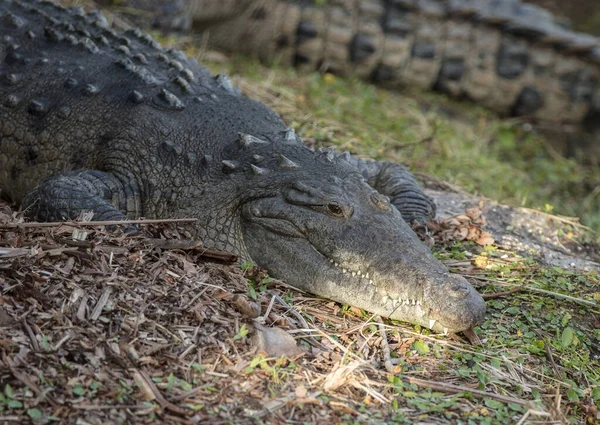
441	301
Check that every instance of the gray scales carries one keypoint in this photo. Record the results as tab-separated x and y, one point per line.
96	120
511	57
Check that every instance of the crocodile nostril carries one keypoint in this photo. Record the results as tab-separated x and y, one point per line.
459	290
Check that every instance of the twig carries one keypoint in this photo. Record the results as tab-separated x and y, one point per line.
530	412
456	389
550	356
31	336
34	224
187	244
567	220
13	252
53	251
524	418
164	403
91	245
173	243
472	336
502	294
269	308
109	406
542	291
101	303
291	310
387	358
190	393
301	320
168	244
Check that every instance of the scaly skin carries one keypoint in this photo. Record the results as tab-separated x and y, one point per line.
509	56
91	119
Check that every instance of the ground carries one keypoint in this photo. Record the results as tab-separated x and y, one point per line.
102	328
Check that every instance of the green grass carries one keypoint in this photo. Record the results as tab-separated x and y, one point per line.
454	141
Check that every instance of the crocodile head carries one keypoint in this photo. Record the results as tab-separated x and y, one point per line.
328	232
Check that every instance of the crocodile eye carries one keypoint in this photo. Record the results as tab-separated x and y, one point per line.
335	210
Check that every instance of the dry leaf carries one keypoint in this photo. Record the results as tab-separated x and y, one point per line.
248	308
462	227
275	342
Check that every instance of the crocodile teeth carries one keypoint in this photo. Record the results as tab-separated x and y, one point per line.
353	273
344	270
336	264
445	331
371	282
431	323
406	302
418	302
413	302
367	275
331	261
385	299
359	274
395	302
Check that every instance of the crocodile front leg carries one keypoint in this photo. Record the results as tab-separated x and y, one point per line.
65	196
396	182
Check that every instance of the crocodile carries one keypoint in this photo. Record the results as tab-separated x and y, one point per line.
511	57
96	120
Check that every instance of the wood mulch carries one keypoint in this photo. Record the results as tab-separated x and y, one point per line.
101	328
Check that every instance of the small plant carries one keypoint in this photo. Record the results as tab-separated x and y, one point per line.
8	399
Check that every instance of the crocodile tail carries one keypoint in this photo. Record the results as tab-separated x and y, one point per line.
508	56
